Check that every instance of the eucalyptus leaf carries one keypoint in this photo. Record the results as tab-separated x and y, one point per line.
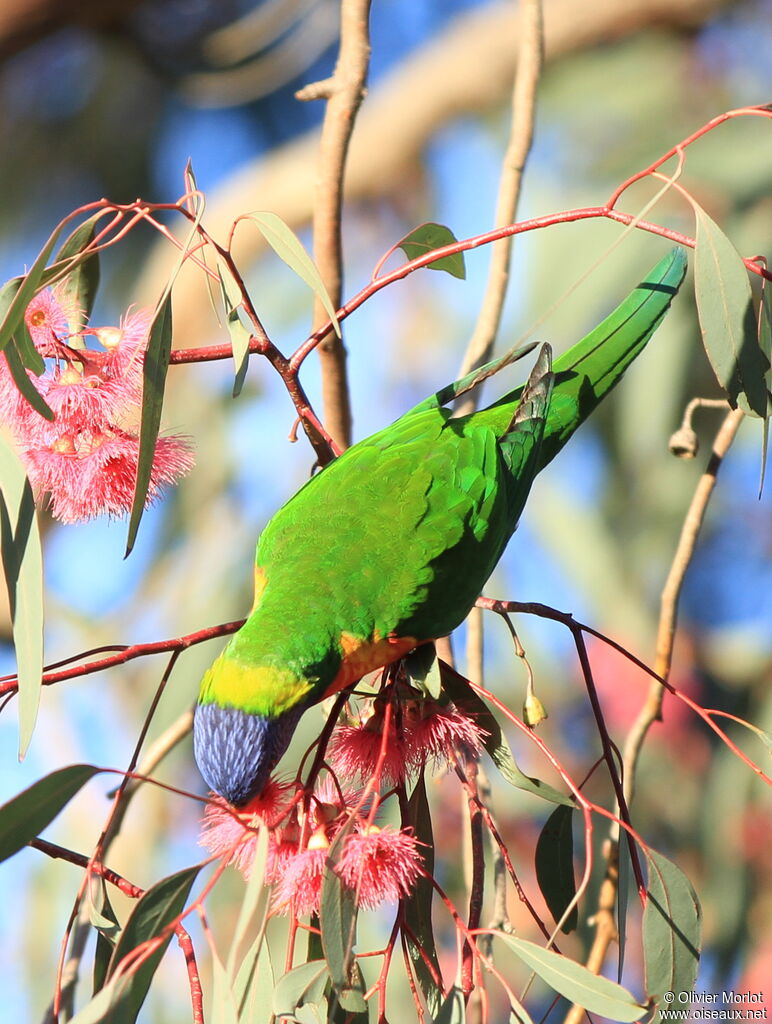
27	814
288	247
254	907
672	930
24	385
418	909
22	557
453	1009
154	372
302	986
16	294
428	237
152	915
555	866
765	344
575	982
239	331
338	920
727	320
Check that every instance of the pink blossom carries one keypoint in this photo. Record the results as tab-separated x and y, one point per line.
227	830
379	865
436	733
51	317
357	751
86	459
94	473
299	889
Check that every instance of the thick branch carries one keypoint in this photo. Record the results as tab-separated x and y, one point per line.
346	91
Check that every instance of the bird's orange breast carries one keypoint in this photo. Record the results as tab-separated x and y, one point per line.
361	655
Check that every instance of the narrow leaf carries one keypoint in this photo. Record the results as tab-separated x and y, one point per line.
428	237
155	367
453	1010
153	913
26	815
224	1009
423	670
575	982
23	383
461	693
288	247
338	920
254	908
302	986
22	558
239	332
254	984
672	930
555	866
17	293
30	356
418	909
105	941
80	270
727	321
765	344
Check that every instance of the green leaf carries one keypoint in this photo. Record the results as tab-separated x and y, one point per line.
23	383
23	566
108	929
301	987
672	930
240	332
555	866
288	247
30	356
254	908
423	670
453	1010
765	344
575	982
418	909
153	914
727	320
428	237
254	984
461	693
338	920
16	294
80	271
154	371
224	1009
26	815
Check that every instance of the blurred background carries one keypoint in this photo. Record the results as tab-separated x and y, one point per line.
111	99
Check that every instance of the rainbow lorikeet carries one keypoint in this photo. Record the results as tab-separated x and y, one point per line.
389	546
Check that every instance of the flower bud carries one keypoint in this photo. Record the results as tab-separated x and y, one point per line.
533	711
683	443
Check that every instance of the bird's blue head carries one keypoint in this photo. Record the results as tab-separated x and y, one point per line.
236	751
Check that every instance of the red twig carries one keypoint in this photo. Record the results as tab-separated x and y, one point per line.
9	685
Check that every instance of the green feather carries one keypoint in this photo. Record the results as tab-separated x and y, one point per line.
397	536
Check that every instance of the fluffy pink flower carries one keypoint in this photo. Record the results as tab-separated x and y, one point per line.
299	889
86	459
355	751
436	733
52	317
379	865
231	832
94	473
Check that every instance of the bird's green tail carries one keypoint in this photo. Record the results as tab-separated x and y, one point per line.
591	368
